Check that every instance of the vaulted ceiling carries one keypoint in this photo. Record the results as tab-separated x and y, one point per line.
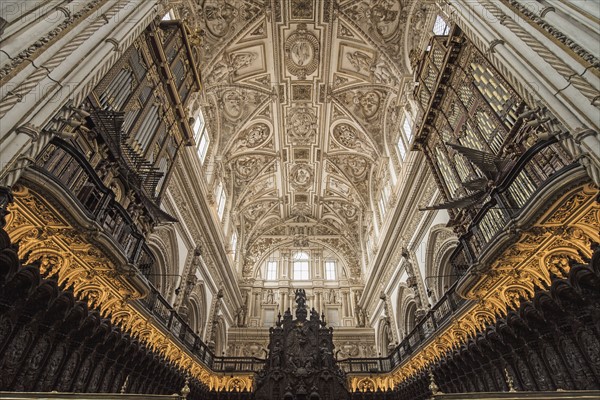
303	102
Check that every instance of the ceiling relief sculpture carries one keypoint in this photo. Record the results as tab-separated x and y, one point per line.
301	125
299	97
247	167
301	176
301	52
350	138
383	20
255	136
222	19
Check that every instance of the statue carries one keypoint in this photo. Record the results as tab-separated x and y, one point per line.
269	296
241	316
361	317
332	297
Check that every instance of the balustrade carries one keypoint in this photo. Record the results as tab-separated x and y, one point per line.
425	328
67	166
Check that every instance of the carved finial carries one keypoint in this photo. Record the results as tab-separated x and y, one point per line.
509	381
432	385
185	390
124	387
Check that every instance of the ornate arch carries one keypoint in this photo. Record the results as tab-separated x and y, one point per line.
406	309
438	271
163	244
220	335
274	246
384	336
198	309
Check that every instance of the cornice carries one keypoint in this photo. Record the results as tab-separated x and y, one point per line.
201	221
393	238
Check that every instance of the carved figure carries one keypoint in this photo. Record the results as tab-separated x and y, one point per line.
332	297
384	17
360	61
241	316
229	66
256	135
301	175
369	103
381	16
269	299
314	315
360	316
219	16
246	167
232	103
301	52
382	73
347	136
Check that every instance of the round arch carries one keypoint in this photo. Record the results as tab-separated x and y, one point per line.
438	270
407	308
384	336
220	336
197	310
163	245
290	245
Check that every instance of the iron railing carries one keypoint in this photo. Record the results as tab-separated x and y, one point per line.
64	164
160	308
67	166
537	167
427	327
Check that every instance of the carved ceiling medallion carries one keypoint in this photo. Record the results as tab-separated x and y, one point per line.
247	167
355	167
301	176
302	126
347	136
383	17
253	137
302	52
219	17
232	102
368	104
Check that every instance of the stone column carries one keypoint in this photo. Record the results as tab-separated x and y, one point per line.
535	72
352	303
284	300
320	300
345	308
255	303
568	26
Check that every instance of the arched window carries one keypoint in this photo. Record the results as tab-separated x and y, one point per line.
301	265
271	271
201	137
440	27
330	270
409	318
221	197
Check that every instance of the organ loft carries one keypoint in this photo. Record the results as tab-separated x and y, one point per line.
299	199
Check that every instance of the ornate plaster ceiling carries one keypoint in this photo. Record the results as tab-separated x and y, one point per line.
304	99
